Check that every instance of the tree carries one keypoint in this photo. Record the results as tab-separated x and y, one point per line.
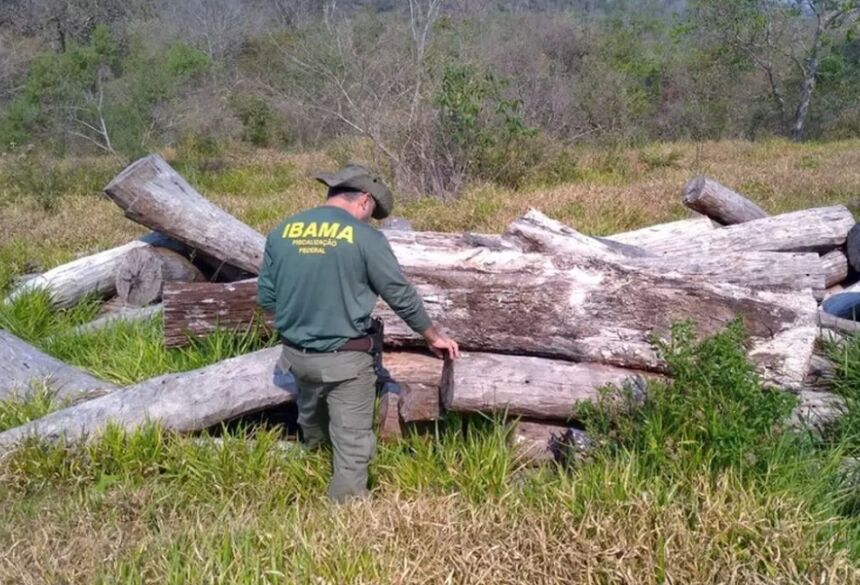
784	40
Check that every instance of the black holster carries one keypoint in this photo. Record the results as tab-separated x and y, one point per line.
385	384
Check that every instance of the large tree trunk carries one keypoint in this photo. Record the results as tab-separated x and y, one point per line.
89	276
586	310
22	365
528	386
765	270
720	203
153	194
812	230
194	400
143	272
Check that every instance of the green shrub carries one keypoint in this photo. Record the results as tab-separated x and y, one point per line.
713	413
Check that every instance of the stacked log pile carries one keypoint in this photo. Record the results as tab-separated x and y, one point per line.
546	315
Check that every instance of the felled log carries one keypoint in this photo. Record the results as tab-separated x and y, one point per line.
537	442
388	417
142	273
187	401
22	365
835	266
588	310
528	386
193	310
647	236
828	321
94	275
418	376
182	402
123	314
720	203
151	193
813	230
766	270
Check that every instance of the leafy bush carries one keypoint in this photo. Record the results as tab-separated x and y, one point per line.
714	412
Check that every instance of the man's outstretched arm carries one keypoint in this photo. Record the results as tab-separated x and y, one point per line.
389	282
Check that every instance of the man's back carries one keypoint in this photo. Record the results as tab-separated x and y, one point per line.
318	269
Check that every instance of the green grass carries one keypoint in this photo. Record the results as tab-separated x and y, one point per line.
703	482
123	353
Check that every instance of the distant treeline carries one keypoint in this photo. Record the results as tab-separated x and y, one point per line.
443	91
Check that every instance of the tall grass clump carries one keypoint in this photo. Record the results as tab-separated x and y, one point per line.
714	413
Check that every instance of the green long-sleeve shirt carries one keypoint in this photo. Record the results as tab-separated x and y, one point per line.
322	273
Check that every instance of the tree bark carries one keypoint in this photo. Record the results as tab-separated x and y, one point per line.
720	203
92	275
143	272
533	387
193	310
812	230
152	193
22	365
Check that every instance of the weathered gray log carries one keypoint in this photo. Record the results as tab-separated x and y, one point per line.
532	304
828	321
528	386
646	237
22	366
813	230
94	275
538	442
120	315
720	203
765	270
182	402
835	266
150	192
141	275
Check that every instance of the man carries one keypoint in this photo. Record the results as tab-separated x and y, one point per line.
322	272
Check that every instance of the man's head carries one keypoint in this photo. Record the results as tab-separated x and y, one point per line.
358	191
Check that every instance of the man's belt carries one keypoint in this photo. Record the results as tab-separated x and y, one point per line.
363	344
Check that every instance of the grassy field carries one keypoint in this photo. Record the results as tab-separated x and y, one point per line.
704	484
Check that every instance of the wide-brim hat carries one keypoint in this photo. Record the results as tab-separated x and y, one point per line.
360	178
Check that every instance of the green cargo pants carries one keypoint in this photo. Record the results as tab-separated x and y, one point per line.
336	397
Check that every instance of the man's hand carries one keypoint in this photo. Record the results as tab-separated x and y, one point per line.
439	344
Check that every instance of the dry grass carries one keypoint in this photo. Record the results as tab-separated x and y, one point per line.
720	533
